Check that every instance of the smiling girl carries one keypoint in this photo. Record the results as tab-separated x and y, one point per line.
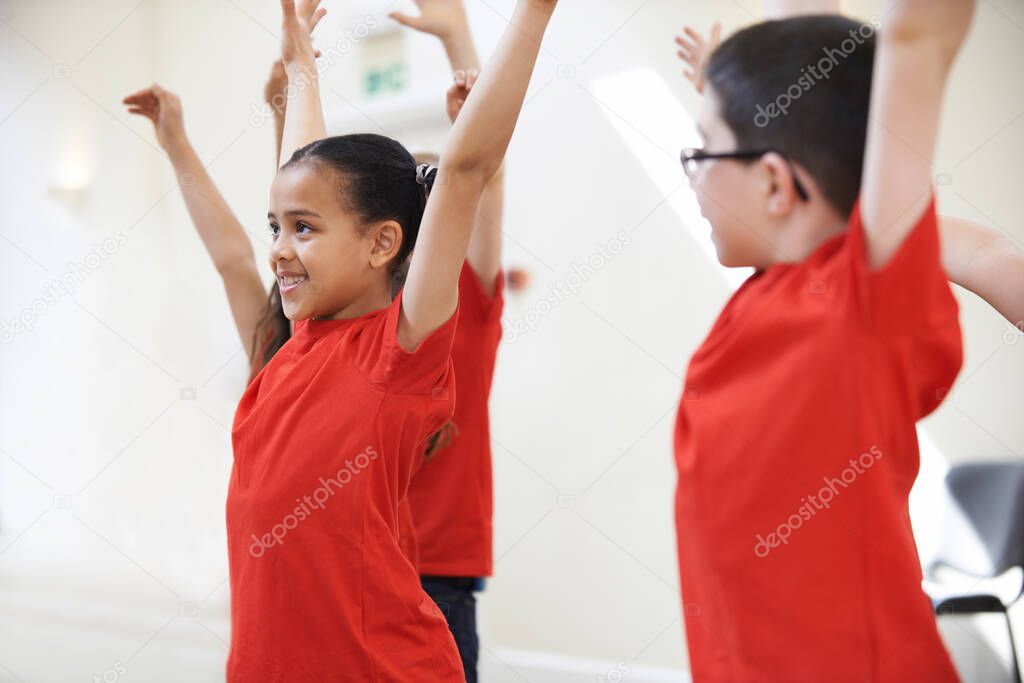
335	599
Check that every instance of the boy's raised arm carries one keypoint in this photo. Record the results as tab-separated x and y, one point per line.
918	42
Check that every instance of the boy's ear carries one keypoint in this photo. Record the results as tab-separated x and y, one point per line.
386	243
781	195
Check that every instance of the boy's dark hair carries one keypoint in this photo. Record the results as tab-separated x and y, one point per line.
774	93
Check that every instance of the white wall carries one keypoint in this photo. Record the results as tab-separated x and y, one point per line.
129	566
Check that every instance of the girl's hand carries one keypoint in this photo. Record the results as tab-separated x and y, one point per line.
163	108
457	94
299	18
441	18
695	52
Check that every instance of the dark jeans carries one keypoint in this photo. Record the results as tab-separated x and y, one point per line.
457	601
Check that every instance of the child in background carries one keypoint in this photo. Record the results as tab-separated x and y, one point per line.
795	438
451	495
321	589
978	258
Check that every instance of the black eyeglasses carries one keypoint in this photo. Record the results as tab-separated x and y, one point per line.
692	156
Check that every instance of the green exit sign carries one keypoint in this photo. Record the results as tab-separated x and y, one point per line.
388	79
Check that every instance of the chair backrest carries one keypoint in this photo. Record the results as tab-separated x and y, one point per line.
989	500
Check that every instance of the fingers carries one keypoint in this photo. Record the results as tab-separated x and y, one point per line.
716	34
317	16
151	112
143	112
466	78
289	20
694	36
405	19
138	101
164	97
138	96
687	51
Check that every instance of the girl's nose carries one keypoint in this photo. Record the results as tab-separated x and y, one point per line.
281	249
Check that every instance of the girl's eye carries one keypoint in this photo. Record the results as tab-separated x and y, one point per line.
301	227
274	229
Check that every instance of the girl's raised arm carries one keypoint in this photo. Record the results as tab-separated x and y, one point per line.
473	154
222	235
304	116
446	20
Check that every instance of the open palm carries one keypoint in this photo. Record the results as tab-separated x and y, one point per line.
298	19
437	17
695	51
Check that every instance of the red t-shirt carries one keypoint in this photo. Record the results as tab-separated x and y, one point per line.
452	495
325	438
407	534
797	564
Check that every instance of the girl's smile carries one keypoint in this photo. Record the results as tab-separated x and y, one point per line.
290	281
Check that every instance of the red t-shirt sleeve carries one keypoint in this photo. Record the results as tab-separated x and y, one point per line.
473	300
422	371
910	294
909	305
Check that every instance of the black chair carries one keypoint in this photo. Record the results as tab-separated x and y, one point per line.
989	497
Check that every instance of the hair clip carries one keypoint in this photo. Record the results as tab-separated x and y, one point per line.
423	172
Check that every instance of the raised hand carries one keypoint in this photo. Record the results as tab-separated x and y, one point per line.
459	91
298	19
304	116
163	108
914	54
441	18
473	153
695	51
